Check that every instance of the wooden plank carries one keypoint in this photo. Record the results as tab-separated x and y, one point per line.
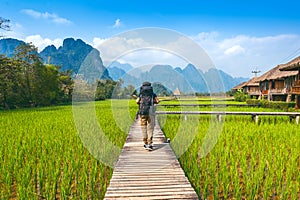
146	187
148	183
147	193
171	197
143	174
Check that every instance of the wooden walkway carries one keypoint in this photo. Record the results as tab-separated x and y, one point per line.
142	174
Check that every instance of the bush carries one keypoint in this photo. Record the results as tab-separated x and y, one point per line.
253	101
240	96
282	105
273	104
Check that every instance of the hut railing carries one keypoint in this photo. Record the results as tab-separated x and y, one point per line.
295	89
278	91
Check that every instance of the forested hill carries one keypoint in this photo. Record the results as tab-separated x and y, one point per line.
70	56
73	54
7	46
29	81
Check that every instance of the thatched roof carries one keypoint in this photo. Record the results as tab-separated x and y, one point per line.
280	71
293	65
239	86
251	82
176	92
276	73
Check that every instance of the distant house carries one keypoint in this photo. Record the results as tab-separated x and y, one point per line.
239	86
294	83
250	87
177	93
275	84
282	83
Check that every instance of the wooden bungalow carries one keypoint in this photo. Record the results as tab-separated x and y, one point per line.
250	87
239	86
294	83
275	84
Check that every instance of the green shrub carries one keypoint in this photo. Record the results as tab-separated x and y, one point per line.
286	106
240	96
253	101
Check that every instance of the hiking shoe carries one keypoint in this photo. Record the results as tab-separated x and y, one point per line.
150	147
145	146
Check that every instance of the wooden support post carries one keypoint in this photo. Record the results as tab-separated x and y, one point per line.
298	102
297	119
185	117
219	118
255	118
291	118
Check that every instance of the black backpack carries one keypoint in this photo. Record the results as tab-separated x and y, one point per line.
146	100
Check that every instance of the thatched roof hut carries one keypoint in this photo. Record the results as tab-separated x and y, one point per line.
282	71
176	92
293	65
239	86
251	82
276	73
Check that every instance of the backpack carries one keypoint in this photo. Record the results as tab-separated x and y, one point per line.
146	100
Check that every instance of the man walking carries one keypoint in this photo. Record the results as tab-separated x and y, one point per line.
146	100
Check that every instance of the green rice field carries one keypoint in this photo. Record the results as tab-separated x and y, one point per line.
43	157
248	160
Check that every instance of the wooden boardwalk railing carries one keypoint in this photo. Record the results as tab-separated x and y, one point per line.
292	115
208	105
142	174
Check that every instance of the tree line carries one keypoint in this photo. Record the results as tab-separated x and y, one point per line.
28	82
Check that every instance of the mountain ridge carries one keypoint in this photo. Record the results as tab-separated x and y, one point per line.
73	54
189	79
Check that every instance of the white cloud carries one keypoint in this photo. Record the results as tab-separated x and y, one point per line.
140	51
41	43
234	50
135	51
48	16
97	42
237	55
111	49
32	13
240	54
117	23
16	31
145	57
19	26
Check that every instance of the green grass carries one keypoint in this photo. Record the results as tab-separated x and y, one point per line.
248	161
42	155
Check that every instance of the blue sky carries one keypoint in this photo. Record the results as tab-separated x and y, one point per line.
238	35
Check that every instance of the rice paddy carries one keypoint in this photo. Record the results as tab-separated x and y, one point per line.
44	157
